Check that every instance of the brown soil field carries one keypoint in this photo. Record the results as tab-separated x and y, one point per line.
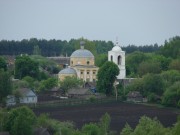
121	113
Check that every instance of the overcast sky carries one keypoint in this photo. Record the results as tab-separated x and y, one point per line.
138	22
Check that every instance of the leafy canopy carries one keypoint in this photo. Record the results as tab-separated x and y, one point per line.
106	77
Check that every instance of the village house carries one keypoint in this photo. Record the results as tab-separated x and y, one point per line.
134	96
27	96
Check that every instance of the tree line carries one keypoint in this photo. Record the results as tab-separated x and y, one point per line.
64	48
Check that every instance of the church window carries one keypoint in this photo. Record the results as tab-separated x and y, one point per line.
94	72
111	58
87	72
87	62
72	62
119	60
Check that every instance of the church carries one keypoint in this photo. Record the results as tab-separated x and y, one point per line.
82	64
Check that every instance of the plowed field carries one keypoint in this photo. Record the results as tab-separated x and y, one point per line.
120	114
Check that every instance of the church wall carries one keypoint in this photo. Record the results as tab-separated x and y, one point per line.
86	74
61	77
81	61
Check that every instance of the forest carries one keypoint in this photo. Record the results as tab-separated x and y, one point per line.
62	48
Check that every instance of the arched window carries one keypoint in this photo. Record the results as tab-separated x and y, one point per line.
119	60
111	58
87	62
72	62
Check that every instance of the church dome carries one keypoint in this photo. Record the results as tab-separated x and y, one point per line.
68	71
116	48
82	53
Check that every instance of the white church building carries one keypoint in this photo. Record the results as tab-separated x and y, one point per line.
118	57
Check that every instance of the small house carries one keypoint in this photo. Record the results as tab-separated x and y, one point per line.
27	96
79	93
11	100
134	96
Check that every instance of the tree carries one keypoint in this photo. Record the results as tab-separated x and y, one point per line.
170	77
133	60
105	123
176	128
101	59
127	130
20	121
3	64
5	84
149	67
48	84
24	66
70	82
106	77
37	50
153	83
171	48
91	129
175	64
171	96
148	126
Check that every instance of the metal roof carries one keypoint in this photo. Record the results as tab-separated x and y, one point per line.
68	71
82	53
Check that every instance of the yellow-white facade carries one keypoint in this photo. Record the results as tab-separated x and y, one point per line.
82	62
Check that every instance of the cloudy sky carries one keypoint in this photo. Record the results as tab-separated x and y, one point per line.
138	22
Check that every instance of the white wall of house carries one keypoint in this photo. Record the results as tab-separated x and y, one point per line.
27	100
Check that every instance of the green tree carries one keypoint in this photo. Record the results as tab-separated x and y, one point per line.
55	127
101	59
153	83
3	64
105	123
176	128
37	50
3	118
48	84
106	77
170	77
127	130
171	97
24	66
20	121
175	64
5	84
133	60
148	126
149	67
171	48
70	82
91	129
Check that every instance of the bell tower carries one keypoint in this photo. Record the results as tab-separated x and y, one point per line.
118	57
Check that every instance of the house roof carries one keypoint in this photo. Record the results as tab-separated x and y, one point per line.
79	91
26	92
134	94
